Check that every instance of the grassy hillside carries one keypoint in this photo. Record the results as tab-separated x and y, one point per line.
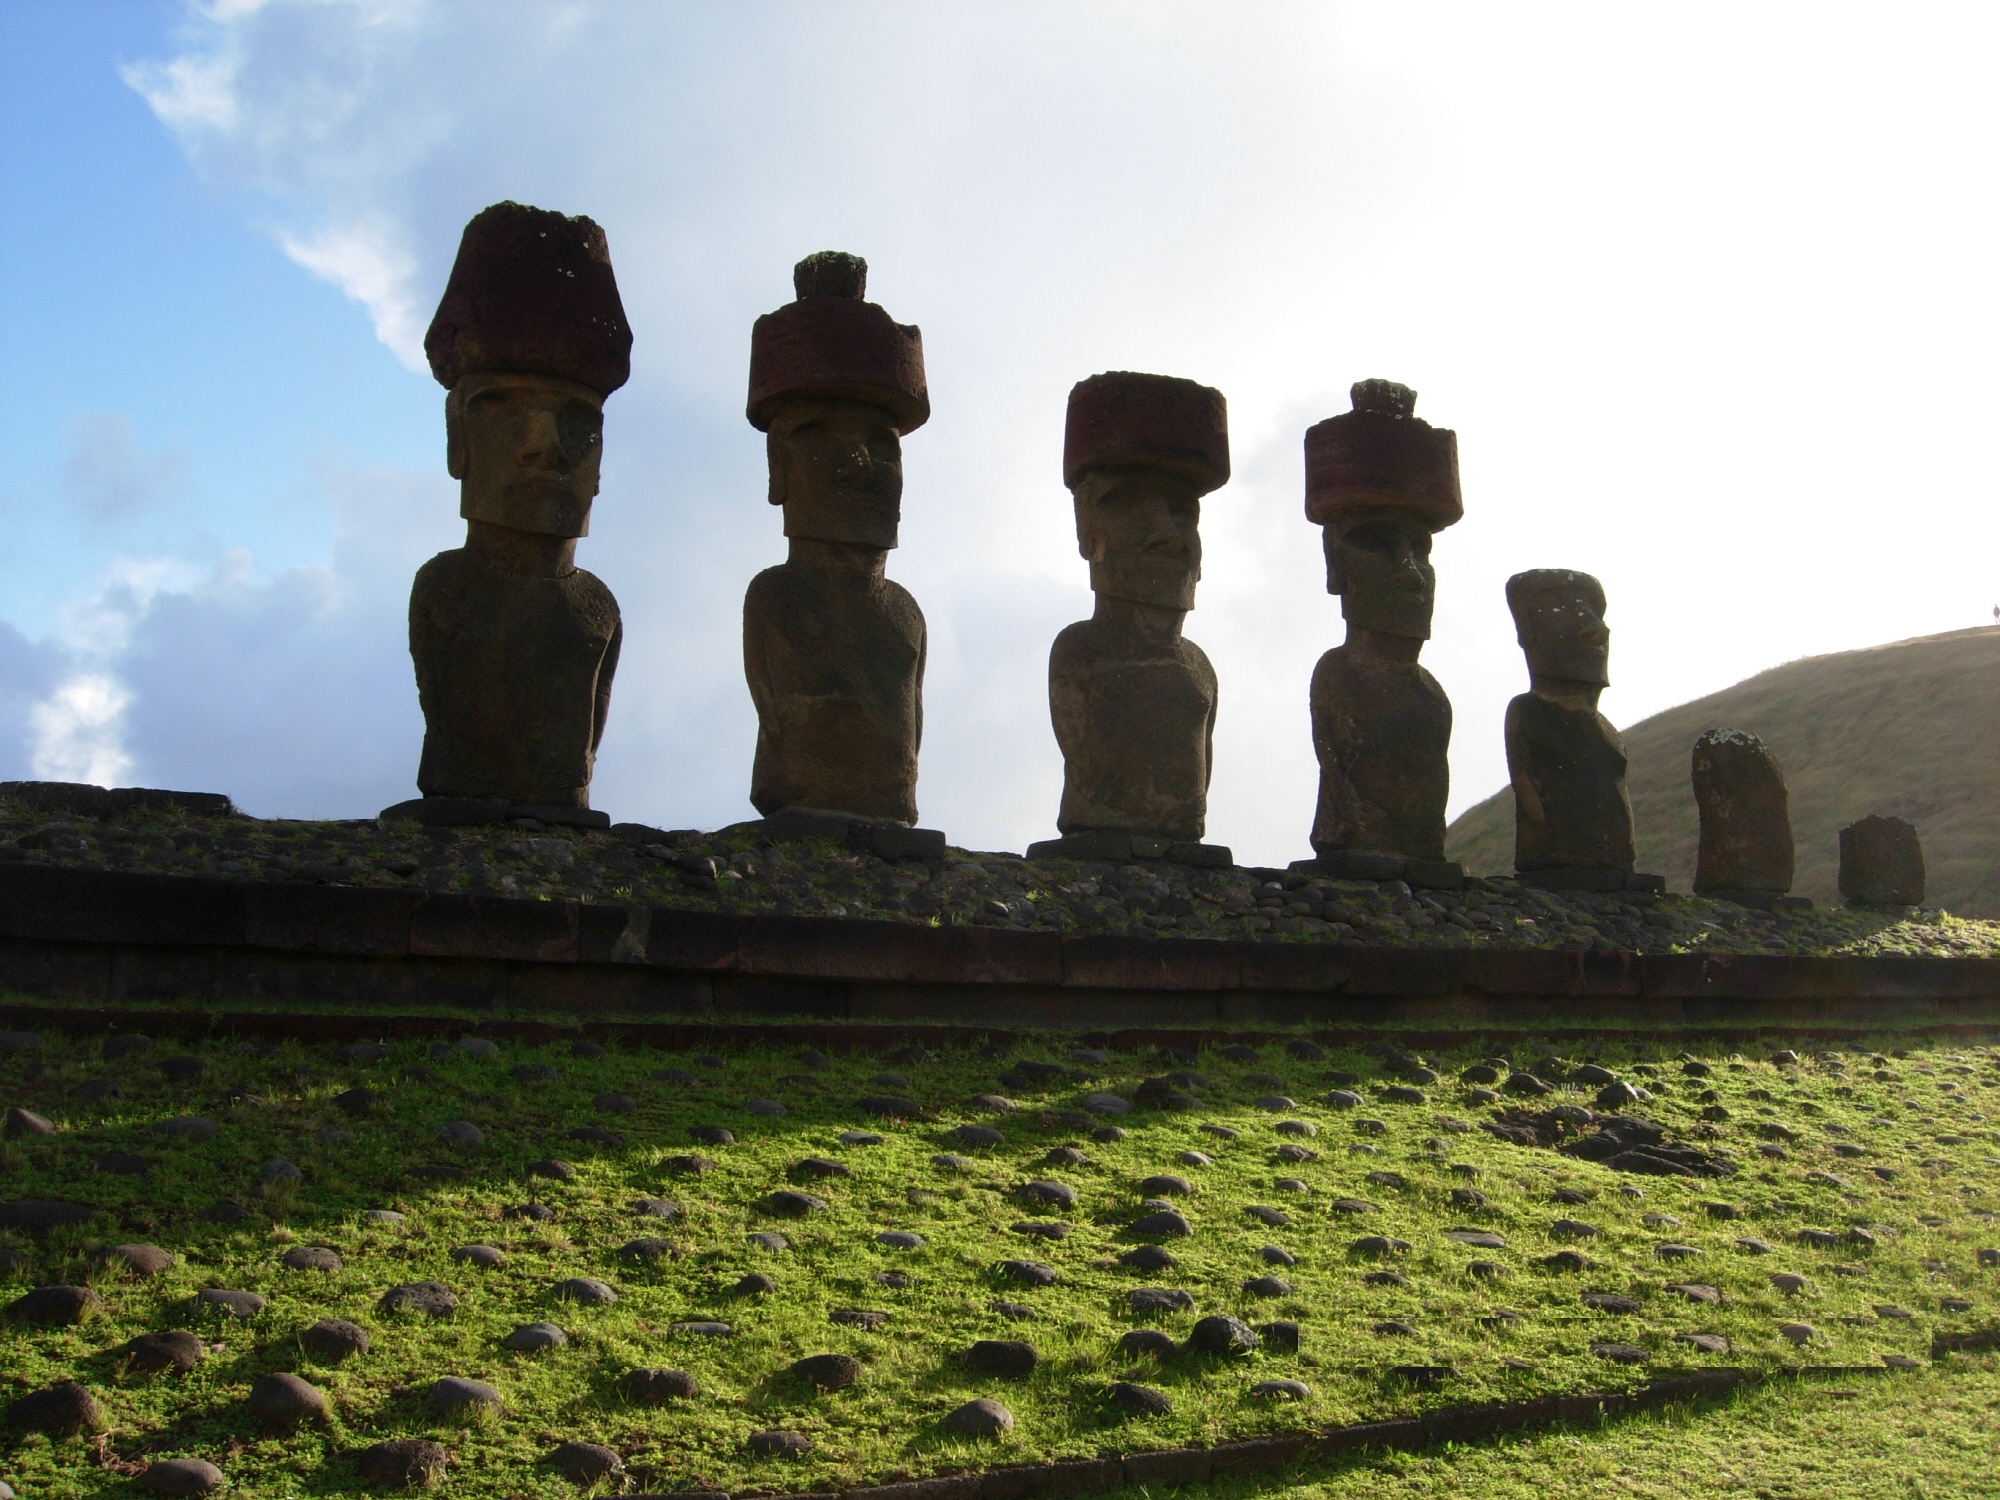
1910	729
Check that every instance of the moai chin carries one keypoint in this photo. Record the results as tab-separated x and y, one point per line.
514	645
1881	864
1746	853
833	650
1572	818
1380	483
1132	699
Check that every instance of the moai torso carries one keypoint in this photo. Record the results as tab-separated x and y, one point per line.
1381	730
1136	723
1568	771
835	662
1746	826
514	675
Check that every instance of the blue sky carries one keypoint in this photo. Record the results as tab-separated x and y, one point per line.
1706	294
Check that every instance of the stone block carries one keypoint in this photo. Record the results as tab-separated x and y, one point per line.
1478	1424
1169	1466
1406	1434
1260	1455
454	926
361	920
1881	863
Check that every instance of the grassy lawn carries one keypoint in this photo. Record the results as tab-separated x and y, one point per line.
1930	1436
1519	1329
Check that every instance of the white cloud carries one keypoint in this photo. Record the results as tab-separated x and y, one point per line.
370	265
79	731
192	92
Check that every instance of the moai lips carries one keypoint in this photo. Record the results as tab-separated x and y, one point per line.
1746	851
514	646
1572	818
1133	700
833	650
1380	482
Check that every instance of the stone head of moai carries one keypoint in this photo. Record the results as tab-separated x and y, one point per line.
1746	827
528	340
1380	482
1559	621
835	385
1139	452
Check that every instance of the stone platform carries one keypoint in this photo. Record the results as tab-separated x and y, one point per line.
111	939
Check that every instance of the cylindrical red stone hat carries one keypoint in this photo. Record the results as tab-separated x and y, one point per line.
532	291
1122	417
831	342
1382	456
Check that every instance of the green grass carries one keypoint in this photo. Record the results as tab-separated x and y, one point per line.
1929	1436
887	1426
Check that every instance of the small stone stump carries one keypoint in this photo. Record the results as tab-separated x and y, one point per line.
1746	853
1881	864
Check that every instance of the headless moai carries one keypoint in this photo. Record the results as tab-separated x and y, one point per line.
1881	863
514	645
1746	851
1380	482
1572	818
1132	699
833	650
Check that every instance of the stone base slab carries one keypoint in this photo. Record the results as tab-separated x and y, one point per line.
890	841
1759	900
472	812
1593	880
1362	864
1122	848
108	938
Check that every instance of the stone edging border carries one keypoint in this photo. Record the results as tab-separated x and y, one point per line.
1186	1466
52	906
854	1036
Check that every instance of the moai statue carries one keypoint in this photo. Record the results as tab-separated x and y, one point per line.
1881	863
1572	819
514	645
1380	482
834	651
1746	825
1132	699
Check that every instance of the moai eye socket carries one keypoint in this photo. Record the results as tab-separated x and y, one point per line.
581	429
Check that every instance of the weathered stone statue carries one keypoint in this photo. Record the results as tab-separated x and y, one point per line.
834	651
1746	852
1380	482
1572	819
1881	863
1133	700
514	645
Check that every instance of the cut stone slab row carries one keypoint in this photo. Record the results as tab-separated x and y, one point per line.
104	936
1184	1466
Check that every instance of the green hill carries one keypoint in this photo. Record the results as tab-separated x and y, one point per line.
1910	729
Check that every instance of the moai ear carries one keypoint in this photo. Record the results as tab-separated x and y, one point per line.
775	460
454	436
1330	542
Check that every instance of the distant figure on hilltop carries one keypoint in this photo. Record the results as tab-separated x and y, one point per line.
833	650
514	645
